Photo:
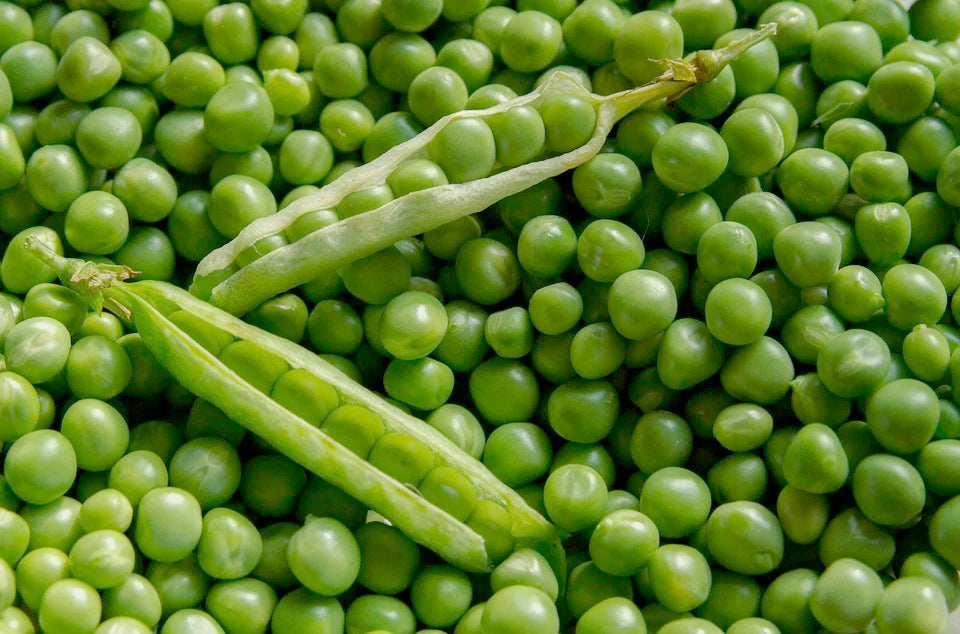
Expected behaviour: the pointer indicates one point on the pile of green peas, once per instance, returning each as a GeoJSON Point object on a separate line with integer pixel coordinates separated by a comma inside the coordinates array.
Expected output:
{"type": "Point", "coordinates": [721, 356]}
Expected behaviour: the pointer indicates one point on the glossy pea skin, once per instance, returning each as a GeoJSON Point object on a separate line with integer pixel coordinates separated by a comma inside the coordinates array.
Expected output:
{"type": "Point", "coordinates": [888, 489]}
{"type": "Point", "coordinates": [853, 363]}
{"type": "Point", "coordinates": [813, 180]}
{"type": "Point", "coordinates": [688, 354]}
{"type": "Point", "coordinates": [802, 515]}
{"type": "Point", "coordinates": [519, 606]}
{"type": "Point", "coordinates": [926, 352]}
{"type": "Point", "coordinates": [168, 524]}
{"type": "Point", "coordinates": [808, 253]}
{"type": "Point", "coordinates": [759, 372]}
{"type": "Point", "coordinates": [644, 36]}
{"type": "Point", "coordinates": [641, 304]}
{"type": "Point", "coordinates": [658, 501]}
{"type": "Point", "coordinates": [806, 332]}
{"type": "Point", "coordinates": [914, 601]}
{"type": "Point", "coordinates": [689, 156]}
{"type": "Point", "coordinates": [754, 140]}
{"type": "Point", "coordinates": [680, 577]}
{"type": "Point", "coordinates": [815, 461]}
{"type": "Point", "coordinates": [575, 497]}
{"type": "Point", "coordinates": [903, 415]}
{"type": "Point", "coordinates": [623, 541]}
{"type": "Point", "coordinates": [846, 50]}
{"type": "Point", "coordinates": [925, 303]}
{"type": "Point", "coordinates": [608, 248]}
{"type": "Point", "coordinates": [846, 595]}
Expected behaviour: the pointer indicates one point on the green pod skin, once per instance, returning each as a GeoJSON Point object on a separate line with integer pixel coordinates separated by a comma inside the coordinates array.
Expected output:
{"type": "Point", "coordinates": [147, 304]}
{"type": "Point", "coordinates": [236, 289]}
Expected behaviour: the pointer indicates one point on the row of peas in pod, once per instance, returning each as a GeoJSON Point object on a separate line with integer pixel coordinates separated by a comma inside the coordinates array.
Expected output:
{"type": "Point", "coordinates": [717, 356]}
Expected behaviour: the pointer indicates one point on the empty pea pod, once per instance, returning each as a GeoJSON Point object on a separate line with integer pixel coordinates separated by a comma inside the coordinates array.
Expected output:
{"type": "Point", "coordinates": [396, 464]}
{"type": "Point", "coordinates": [263, 261]}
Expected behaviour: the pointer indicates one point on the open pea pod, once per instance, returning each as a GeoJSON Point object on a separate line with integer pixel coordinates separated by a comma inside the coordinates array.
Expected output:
{"type": "Point", "coordinates": [274, 254]}
{"type": "Point", "coordinates": [314, 414]}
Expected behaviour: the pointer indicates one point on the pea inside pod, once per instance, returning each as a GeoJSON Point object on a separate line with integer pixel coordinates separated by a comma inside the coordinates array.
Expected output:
{"type": "Point", "coordinates": [396, 464]}
{"type": "Point", "coordinates": [576, 124]}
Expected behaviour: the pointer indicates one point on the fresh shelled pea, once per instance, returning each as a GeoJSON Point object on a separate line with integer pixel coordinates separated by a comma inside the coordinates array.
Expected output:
{"type": "Point", "coordinates": [719, 320]}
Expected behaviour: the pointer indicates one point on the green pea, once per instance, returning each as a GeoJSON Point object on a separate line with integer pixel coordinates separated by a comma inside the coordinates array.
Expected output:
{"type": "Point", "coordinates": [759, 372]}
{"type": "Point", "coordinates": [815, 461]}
{"type": "Point", "coordinates": [900, 91]}
{"type": "Point", "coordinates": [180, 139]}
{"type": "Point", "coordinates": [935, 568]}
{"type": "Point", "coordinates": [914, 601]}
{"type": "Point", "coordinates": [234, 108]}
{"type": "Point", "coordinates": [168, 524]}
{"type": "Point", "coordinates": [925, 303]}
{"type": "Point", "coordinates": [680, 577]}
{"type": "Point", "coordinates": [785, 602]}
{"type": "Point", "coordinates": [832, 606]}
{"type": "Point", "coordinates": [812, 402]}
{"type": "Point", "coordinates": [739, 477]}
{"type": "Point", "coordinates": [802, 515]}
{"type": "Point", "coordinates": [813, 180]}
{"type": "Point", "coordinates": [853, 363]}
{"type": "Point", "coordinates": [569, 121]}
{"type": "Point", "coordinates": [688, 354]}
{"type": "Point", "coordinates": [334, 327]}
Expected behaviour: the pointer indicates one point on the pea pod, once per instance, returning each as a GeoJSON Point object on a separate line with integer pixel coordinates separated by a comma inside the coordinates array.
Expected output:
{"type": "Point", "coordinates": [271, 386]}
{"type": "Point", "coordinates": [269, 256]}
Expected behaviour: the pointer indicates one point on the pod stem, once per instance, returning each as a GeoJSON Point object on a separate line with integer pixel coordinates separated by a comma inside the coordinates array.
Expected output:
{"type": "Point", "coordinates": [88, 279]}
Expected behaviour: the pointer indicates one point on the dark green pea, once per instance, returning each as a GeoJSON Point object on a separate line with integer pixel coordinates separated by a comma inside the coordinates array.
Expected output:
{"type": "Point", "coordinates": [587, 586]}
{"type": "Point", "coordinates": [853, 363]}
{"type": "Point", "coordinates": [785, 602]}
{"type": "Point", "coordinates": [850, 137]}
{"type": "Point", "coordinates": [687, 219]}
{"type": "Point", "coordinates": [926, 302]}
{"type": "Point", "coordinates": [806, 332]}
{"type": "Point", "coordinates": [302, 608]}
{"type": "Point", "coordinates": [569, 121]}
{"type": "Point", "coordinates": [903, 415]}
{"type": "Point", "coordinates": [855, 293]}
{"type": "Point", "coordinates": [759, 372]}
{"type": "Point", "coordinates": [808, 253]}
{"type": "Point", "coordinates": [925, 144]}
{"type": "Point", "coordinates": [487, 271]}
{"type": "Point", "coordinates": [930, 221]}
{"type": "Point", "coordinates": [813, 180]}
{"type": "Point", "coordinates": [643, 37]}
{"type": "Point", "coordinates": [812, 402]}
{"type": "Point", "coordinates": [926, 352]}
{"type": "Point", "coordinates": [181, 141]}
{"type": "Point", "coordinates": [463, 346]}
{"type": "Point", "coordinates": [639, 132]}
{"type": "Point", "coordinates": [738, 477]}
{"type": "Point", "coordinates": [550, 357]}
{"type": "Point", "coordinates": [726, 250]}
{"type": "Point", "coordinates": [851, 535]}
{"type": "Point", "coordinates": [504, 390]}
{"type": "Point", "coordinates": [888, 490]}
{"type": "Point", "coordinates": [900, 91]}
{"type": "Point", "coordinates": [688, 354]}
{"type": "Point", "coordinates": [802, 515]}
{"type": "Point", "coordinates": [815, 461]}
{"type": "Point", "coordinates": [659, 440]}
{"type": "Point", "coordinates": [472, 60]}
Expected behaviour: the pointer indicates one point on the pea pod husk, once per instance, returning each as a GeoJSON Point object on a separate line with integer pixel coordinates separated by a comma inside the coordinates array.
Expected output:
{"type": "Point", "coordinates": [147, 303]}
{"type": "Point", "coordinates": [335, 246]}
